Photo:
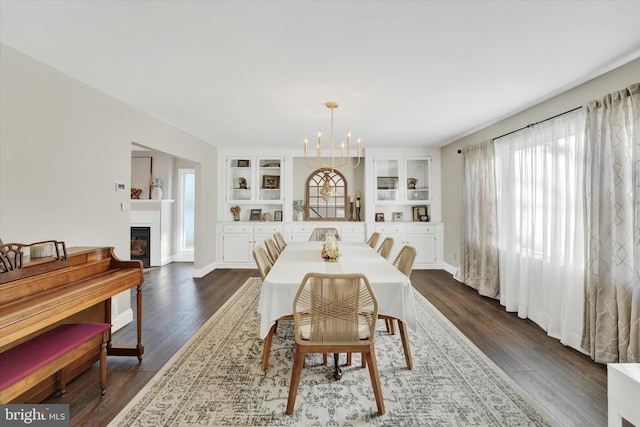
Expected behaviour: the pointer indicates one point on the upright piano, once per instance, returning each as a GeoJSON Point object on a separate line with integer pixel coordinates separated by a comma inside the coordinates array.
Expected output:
{"type": "Point", "coordinates": [62, 285]}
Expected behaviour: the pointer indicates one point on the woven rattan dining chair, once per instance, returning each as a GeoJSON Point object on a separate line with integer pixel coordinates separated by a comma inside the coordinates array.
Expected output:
{"type": "Point", "coordinates": [272, 249]}
{"type": "Point", "coordinates": [335, 313]}
{"type": "Point", "coordinates": [279, 241]}
{"type": "Point", "coordinates": [264, 266]}
{"type": "Point", "coordinates": [404, 262]}
{"type": "Point", "coordinates": [385, 247]}
{"type": "Point", "coordinates": [320, 233]}
{"type": "Point", "coordinates": [404, 259]}
{"type": "Point", "coordinates": [373, 240]}
{"type": "Point", "coordinates": [262, 261]}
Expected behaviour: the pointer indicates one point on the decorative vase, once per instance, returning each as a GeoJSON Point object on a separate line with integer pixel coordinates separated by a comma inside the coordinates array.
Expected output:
{"type": "Point", "coordinates": [299, 216]}
{"type": "Point", "coordinates": [156, 189]}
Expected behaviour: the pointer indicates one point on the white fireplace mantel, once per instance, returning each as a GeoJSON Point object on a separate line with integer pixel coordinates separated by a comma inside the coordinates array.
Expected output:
{"type": "Point", "coordinates": [155, 214]}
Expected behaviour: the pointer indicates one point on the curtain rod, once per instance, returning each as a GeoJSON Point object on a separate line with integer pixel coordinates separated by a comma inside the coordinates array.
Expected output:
{"type": "Point", "coordinates": [533, 124]}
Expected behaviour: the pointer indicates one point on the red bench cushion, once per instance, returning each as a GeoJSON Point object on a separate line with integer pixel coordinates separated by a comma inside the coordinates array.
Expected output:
{"type": "Point", "coordinates": [23, 360]}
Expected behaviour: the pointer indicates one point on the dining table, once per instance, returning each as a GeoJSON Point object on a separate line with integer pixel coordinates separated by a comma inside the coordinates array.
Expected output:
{"type": "Point", "coordinates": [392, 288]}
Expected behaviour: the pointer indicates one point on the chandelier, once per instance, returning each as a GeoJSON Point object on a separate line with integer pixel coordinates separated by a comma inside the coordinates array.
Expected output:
{"type": "Point", "coordinates": [343, 161]}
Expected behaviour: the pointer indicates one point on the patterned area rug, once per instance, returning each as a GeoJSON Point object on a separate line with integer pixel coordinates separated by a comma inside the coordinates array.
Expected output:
{"type": "Point", "coordinates": [215, 380]}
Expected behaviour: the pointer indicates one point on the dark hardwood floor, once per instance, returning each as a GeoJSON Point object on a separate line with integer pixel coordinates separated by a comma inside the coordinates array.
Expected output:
{"type": "Point", "coordinates": [567, 383]}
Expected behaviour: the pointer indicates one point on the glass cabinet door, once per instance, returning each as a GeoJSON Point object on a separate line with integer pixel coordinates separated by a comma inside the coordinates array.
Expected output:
{"type": "Point", "coordinates": [417, 176]}
{"type": "Point", "coordinates": [240, 181]}
{"type": "Point", "coordinates": [387, 176]}
{"type": "Point", "coordinates": [269, 174]}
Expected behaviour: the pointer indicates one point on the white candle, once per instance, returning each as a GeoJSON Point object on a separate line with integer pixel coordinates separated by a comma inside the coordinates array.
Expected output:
{"type": "Point", "coordinates": [331, 245]}
{"type": "Point", "coordinates": [357, 203]}
{"type": "Point", "coordinates": [358, 195]}
{"type": "Point", "coordinates": [351, 199]}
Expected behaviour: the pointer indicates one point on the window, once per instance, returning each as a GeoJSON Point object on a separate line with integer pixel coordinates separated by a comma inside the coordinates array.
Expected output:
{"type": "Point", "coordinates": [186, 209]}
{"type": "Point", "coordinates": [540, 199]}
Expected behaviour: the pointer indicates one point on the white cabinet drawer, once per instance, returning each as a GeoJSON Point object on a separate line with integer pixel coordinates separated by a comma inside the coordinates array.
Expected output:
{"type": "Point", "coordinates": [356, 227]}
{"type": "Point", "coordinates": [239, 228]}
{"type": "Point", "coordinates": [421, 229]}
{"type": "Point", "coordinates": [302, 228]}
{"type": "Point", "coordinates": [267, 228]}
{"type": "Point", "coordinates": [390, 228]}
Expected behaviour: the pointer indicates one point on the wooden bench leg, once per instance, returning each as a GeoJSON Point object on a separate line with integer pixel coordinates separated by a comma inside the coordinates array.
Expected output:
{"type": "Point", "coordinates": [103, 364]}
{"type": "Point", "coordinates": [62, 379]}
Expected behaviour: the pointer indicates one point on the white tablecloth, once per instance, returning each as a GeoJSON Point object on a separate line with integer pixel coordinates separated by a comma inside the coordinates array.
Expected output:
{"type": "Point", "coordinates": [393, 289]}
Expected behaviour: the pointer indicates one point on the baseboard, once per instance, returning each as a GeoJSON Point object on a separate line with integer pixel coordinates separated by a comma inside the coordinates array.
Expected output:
{"type": "Point", "coordinates": [454, 271]}
{"type": "Point", "coordinates": [166, 260]}
{"type": "Point", "coordinates": [182, 257]}
{"type": "Point", "coordinates": [122, 320]}
{"type": "Point", "coordinates": [201, 272]}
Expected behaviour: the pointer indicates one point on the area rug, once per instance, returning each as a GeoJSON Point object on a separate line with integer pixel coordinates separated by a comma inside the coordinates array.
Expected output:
{"type": "Point", "coordinates": [216, 380]}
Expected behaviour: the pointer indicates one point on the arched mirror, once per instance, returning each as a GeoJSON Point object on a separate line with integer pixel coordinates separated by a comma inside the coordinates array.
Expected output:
{"type": "Point", "coordinates": [326, 196]}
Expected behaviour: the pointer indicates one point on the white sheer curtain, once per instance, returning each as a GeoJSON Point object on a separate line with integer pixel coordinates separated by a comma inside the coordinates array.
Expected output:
{"type": "Point", "coordinates": [540, 221]}
{"type": "Point", "coordinates": [612, 330]}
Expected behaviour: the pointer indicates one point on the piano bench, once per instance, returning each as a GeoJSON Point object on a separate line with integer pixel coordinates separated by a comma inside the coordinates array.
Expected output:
{"type": "Point", "coordinates": [27, 364]}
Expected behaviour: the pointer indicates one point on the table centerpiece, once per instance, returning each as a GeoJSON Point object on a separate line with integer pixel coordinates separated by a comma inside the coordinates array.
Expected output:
{"type": "Point", "coordinates": [330, 250]}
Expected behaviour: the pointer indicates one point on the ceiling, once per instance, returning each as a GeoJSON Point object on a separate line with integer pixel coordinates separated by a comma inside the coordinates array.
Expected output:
{"type": "Point", "coordinates": [258, 73]}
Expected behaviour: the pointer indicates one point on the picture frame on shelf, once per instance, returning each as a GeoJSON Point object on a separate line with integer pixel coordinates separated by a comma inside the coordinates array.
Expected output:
{"type": "Point", "coordinates": [379, 217]}
{"type": "Point", "coordinates": [271, 181]}
{"type": "Point", "coordinates": [243, 163]}
{"type": "Point", "coordinates": [397, 216]}
{"type": "Point", "coordinates": [420, 213]}
{"type": "Point", "coordinates": [387, 183]}
{"type": "Point", "coordinates": [277, 216]}
{"type": "Point", "coordinates": [256, 214]}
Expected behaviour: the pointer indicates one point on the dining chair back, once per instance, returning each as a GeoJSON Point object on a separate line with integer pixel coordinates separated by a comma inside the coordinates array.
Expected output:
{"type": "Point", "coordinates": [404, 263]}
{"type": "Point", "coordinates": [262, 261]}
{"type": "Point", "coordinates": [373, 240]}
{"type": "Point", "coordinates": [385, 247]}
{"type": "Point", "coordinates": [279, 241]}
{"type": "Point", "coordinates": [320, 233]}
{"type": "Point", "coordinates": [335, 313]}
{"type": "Point", "coordinates": [272, 249]}
{"type": "Point", "coordinates": [404, 259]}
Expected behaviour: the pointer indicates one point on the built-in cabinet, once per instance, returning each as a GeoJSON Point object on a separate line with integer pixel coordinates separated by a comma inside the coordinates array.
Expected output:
{"type": "Point", "coordinates": [400, 199]}
{"type": "Point", "coordinates": [240, 239]}
{"type": "Point", "coordinates": [426, 238]}
{"type": "Point", "coordinates": [254, 180]}
{"type": "Point", "coordinates": [401, 181]}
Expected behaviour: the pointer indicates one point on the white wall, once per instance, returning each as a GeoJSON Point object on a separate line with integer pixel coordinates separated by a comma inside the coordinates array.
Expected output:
{"type": "Point", "coordinates": [612, 81]}
{"type": "Point", "coordinates": [64, 144]}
